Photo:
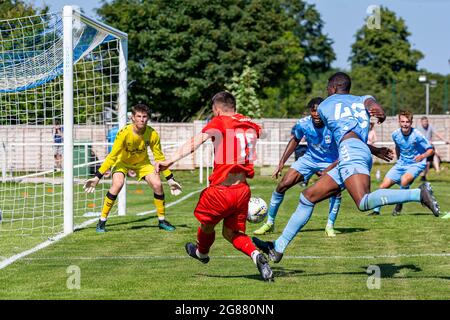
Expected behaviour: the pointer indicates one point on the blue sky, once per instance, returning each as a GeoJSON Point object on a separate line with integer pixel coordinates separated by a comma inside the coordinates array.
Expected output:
{"type": "Point", "coordinates": [427, 21]}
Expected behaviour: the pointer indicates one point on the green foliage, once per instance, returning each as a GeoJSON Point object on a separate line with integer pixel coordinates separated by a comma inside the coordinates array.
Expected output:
{"type": "Point", "coordinates": [181, 52]}
{"type": "Point", "coordinates": [385, 65]}
{"type": "Point", "coordinates": [308, 53]}
{"type": "Point", "coordinates": [386, 51]}
{"type": "Point", "coordinates": [307, 27]}
{"type": "Point", "coordinates": [287, 97]}
{"type": "Point", "coordinates": [10, 9]}
{"type": "Point", "coordinates": [244, 88]}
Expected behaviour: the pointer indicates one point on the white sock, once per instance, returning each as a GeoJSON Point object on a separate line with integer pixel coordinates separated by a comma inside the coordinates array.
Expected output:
{"type": "Point", "coordinates": [201, 255]}
{"type": "Point", "coordinates": [255, 255]}
{"type": "Point", "coordinates": [162, 218]}
{"type": "Point", "coordinates": [102, 219]}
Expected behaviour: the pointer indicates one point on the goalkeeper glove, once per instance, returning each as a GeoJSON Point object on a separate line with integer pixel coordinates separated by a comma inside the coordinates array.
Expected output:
{"type": "Point", "coordinates": [89, 185]}
{"type": "Point", "coordinates": [175, 187]}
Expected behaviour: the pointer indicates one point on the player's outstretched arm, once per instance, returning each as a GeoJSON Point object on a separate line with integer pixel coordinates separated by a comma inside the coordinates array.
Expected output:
{"type": "Point", "coordinates": [290, 148]}
{"type": "Point", "coordinates": [383, 153]}
{"type": "Point", "coordinates": [186, 149]}
{"type": "Point", "coordinates": [424, 155]}
{"type": "Point", "coordinates": [375, 110]}
{"type": "Point", "coordinates": [441, 137]}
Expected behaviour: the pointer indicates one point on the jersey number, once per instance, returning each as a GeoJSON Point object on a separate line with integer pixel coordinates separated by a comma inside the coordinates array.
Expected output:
{"type": "Point", "coordinates": [357, 110]}
{"type": "Point", "coordinates": [246, 142]}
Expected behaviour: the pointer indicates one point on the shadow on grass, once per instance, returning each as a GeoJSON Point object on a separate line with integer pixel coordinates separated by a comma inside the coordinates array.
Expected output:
{"type": "Point", "coordinates": [339, 230]}
{"type": "Point", "coordinates": [151, 224]}
{"type": "Point", "coordinates": [277, 272]}
{"type": "Point", "coordinates": [419, 214]}
{"type": "Point", "coordinates": [388, 271]}
{"type": "Point", "coordinates": [156, 226]}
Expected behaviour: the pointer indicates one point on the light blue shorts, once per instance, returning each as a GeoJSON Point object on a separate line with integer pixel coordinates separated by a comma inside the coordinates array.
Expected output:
{"type": "Point", "coordinates": [397, 171]}
{"type": "Point", "coordinates": [354, 158]}
{"type": "Point", "coordinates": [307, 167]}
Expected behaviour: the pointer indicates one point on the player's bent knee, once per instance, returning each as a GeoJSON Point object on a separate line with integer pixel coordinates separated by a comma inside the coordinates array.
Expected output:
{"type": "Point", "coordinates": [363, 204]}
{"type": "Point", "coordinates": [207, 228]}
{"type": "Point", "coordinates": [116, 187]}
{"type": "Point", "coordinates": [310, 195]}
{"type": "Point", "coordinates": [228, 234]}
{"type": "Point", "coordinates": [157, 187]}
{"type": "Point", "coordinates": [282, 188]}
{"type": "Point", "coordinates": [405, 184]}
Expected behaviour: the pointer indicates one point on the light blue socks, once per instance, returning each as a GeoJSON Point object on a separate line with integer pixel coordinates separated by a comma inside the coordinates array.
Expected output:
{"type": "Point", "coordinates": [298, 219]}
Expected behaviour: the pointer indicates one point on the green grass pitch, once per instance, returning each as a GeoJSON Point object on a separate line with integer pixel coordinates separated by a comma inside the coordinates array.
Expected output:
{"type": "Point", "coordinates": [136, 260]}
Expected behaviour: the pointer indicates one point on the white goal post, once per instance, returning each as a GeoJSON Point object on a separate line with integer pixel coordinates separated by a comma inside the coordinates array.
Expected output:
{"type": "Point", "coordinates": [60, 70]}
{"type": "Point", "coordinates": [69, 15]}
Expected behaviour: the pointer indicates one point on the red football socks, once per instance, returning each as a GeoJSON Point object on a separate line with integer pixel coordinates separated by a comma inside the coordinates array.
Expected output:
{"type": "Point", "coordinates": [204, 241]}
{"type": "Point", "coordinates": [243, 243]}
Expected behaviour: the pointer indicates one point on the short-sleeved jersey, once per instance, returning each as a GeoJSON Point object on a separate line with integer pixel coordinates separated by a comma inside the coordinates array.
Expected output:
{"type": "Point", "coordinates": [321, 146]}
{"type": "Point", "coordinates": [410, 146]}
{"type": "Point", "coordinates": [234, 138]}
{"type": "Point", "coordinates": [131, 149]}
{"type": "Point", "coordinates": [343, 113]}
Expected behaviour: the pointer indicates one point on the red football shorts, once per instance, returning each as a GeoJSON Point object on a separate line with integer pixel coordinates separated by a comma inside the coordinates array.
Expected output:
{"type": "Point", "coordinates": [229, 203]}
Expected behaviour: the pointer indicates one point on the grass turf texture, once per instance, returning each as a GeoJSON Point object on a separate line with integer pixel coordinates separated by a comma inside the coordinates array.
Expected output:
{"type": "Point", "coordinates": [136, 260]}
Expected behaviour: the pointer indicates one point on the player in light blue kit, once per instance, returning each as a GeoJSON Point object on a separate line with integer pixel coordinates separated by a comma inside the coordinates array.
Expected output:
{"type": "Point", "coordinates": [347, 116]}
{"type": "Point", "coordinates": [412, 150]}
{"type": "Point", "coordinates": [321, 153]}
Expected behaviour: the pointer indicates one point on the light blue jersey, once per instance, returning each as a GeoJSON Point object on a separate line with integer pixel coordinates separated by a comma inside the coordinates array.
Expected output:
{"type": "Point", "coordinates": [410, 146]}
{"type": "Point", "coordinates": [343, 113]}
{"type": "Point", "coordinates": [321, 153]}
{"type": "Point", "coordinates": [321, 147]}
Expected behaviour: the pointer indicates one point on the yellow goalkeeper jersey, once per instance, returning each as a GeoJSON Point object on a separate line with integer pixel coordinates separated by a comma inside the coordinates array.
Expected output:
{"type": "Point", "coordinates": [131, 149]}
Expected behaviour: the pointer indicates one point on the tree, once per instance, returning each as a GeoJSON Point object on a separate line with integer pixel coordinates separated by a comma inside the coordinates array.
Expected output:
{"type": "Point", "coordinates": [181, 52]}
{"type": "Point", "coordinates": [286, 98]}
{"type": "Point", "coordinates": [244, 88]}
{"type": "Point", "coordinates": [10, 9]}
{"type": "Point", "coordinates": [386, 52]}
{"type": "Point", "coordinates": [308, 28]}
{"type": "Point", "coordinates": [308, 53]}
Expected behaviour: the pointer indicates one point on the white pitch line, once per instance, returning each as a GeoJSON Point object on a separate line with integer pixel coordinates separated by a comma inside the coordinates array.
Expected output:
{"type": "Point", "coordinates": [14, 258]}
{"type": "Point", "coordinates": [243, 257]}
{"type": "Point", "coordinates": [7, 261]}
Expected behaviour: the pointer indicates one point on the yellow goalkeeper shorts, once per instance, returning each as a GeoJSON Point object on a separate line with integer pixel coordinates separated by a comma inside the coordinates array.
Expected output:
{"type": "Point", "coordinates": [141, 169]}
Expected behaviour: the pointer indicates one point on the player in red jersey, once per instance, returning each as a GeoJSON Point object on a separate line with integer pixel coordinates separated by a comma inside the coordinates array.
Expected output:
{"type": "Point", "coordinates": [234, 137]}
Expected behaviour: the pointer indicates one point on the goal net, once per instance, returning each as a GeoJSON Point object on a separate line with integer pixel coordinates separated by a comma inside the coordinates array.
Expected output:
{"type": "Point", "coordinates": [62, 90]}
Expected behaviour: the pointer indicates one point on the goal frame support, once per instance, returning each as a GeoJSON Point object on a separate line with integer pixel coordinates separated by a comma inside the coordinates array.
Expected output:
{"type": "Point", "coordinates": [69, 12]}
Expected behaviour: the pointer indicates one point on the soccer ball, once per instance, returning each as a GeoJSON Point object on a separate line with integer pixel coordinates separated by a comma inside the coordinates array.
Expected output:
{"type": "Point", "coordinates": [257, 210]}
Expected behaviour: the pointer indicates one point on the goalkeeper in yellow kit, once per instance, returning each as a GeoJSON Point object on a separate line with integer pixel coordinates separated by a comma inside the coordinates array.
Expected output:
{"type": "Point", "coordinates": [129, 152]}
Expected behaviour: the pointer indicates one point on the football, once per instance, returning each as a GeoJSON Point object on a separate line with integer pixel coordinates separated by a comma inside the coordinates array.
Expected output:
{"type": "Point", "coordinates": [257, 210]}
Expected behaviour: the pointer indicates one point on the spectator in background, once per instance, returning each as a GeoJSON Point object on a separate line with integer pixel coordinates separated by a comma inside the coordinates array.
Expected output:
{"type": "Point", "coordinates": [58, 139]}
{"type": "Point", "coordinates": [111, 136]}
{"type": "Point", "coordinates": [371, 139]}
{"type": "Point", "coordinates": [428, 130]}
